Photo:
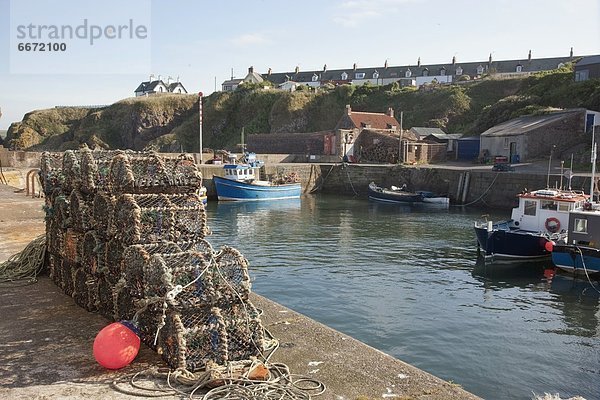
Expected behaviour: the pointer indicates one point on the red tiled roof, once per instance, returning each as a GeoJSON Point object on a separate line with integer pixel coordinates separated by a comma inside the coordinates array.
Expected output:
{"type": "Point", "coordinates": [375, 120]}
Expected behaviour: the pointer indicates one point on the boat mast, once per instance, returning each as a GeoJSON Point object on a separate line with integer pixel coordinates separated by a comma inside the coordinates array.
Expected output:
{"type": "Point", "coordinates": [593, 163]}
{"type": "Point", "coordinates": [571, 172]}
{"type": "Point", "coordinates": [243, 147]}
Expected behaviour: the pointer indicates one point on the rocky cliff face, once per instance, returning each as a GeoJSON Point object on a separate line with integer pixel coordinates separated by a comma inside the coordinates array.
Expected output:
{"type": "Point", "coordinates": [131, 123]}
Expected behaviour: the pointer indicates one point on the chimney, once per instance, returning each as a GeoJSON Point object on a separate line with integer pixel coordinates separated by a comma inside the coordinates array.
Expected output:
{"type": "Point", "coordinates": [159, 77]}
{"type": "Point", "coordinates": [297, 69]}
{"type": "Point", "coordinates": [177, 78]}
{"type": "Point", "coordinates": [390, 112]}
{"type": "Point", "coordinates": [354, 67]}
{"type": "Point", "coordinates": [419, 62]}
{"type": "Point", "coordinates": [571, 53]}
{"type": "Point", "coordinates": [231, 73]}
{"type": "Point", "coordinates": [529, 56]}
{"type": "Point", "coordinates": [270, 71]}
{"type": "Point", "coordinates": [490, 59]}
{"type": "Point", "coordinates": [348, 109]}
{"type": "Point", "coordinates": [453, 60]}
{"type": "Point", "coordinates": [250, 69]}
{"type": "Point", "coordinates": [151, 77]}
{"type": "Point", "coordinates": [385, 65]}
{"type": "Point", "coordinates": [325, 68]}
{"type": "Point", "coordinates": [169, 79]}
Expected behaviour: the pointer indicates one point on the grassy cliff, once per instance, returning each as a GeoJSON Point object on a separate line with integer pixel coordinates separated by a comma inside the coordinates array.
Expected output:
{"type": "Point", "coordinates": [170, 122]}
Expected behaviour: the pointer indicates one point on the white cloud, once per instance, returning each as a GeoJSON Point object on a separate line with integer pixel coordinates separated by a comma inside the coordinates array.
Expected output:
{"type": "Point", "coordinates": [249, 39]}
{"type": "Point", "coordinates": [354, 12]}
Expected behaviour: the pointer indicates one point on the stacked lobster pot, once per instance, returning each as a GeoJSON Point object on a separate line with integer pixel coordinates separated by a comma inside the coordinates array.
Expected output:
{"type": "Point", "coordinates": [126, 236]}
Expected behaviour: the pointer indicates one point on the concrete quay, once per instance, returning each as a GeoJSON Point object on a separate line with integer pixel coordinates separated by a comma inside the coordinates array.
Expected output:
{"type": "Point", "coordinates": [46, 340]}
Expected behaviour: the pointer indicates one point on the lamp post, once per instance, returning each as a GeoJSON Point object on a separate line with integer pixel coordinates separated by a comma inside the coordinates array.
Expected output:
{"type": "Point", "coordinates": [200, 123]}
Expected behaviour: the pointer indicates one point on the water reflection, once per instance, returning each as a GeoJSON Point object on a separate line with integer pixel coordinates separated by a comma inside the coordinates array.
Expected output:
{"type": "Point", "coordinates": [408, 282]}
{"type": "Point", "coordinates": [578, 300]}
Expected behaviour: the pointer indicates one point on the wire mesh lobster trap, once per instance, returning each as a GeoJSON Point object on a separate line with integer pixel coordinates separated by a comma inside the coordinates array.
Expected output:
{"type": "Point", "coordinates": [126, 236]}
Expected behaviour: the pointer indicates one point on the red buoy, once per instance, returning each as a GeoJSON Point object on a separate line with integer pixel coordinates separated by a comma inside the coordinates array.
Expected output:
{"type": "Point", "coordinates": [549, 246]}
{"type": "Point", "coordinates": [117, 345]}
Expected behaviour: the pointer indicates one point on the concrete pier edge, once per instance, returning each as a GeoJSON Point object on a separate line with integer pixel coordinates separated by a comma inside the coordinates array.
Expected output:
{"type": "Point", "coordinates": [46, 340]}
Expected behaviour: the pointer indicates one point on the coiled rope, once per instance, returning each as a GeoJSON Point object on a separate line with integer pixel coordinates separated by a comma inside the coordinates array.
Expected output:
{"type": "Point", "coordinates": [24, 267]}
{"type": "Point", "coordinates": [280, 383]}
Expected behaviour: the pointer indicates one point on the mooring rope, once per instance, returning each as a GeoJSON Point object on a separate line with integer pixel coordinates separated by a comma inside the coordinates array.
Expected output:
{"type": "Point", "coordinates": [584, 269]}
{"type": "Point", "coordinates": [24, 267]}
{"type": "Point", "coordinates": [480, 197]}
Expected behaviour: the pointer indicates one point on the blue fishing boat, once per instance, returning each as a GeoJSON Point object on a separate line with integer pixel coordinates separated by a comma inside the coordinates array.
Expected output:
{"type": "Point", "coordinates": [581, 253]}
{"type": "Point", "coordinates": [241, 183]}
{"type": "Point", "coordinates": [536, 226]}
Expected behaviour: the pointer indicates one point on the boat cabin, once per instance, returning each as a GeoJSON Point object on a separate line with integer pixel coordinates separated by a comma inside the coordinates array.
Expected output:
{"type": "Point", "coordinates": [584, 228]}
{"type": "Point", "coordinates": [241, 172]}
{"type": "Point", "coordinates": [546, 210]}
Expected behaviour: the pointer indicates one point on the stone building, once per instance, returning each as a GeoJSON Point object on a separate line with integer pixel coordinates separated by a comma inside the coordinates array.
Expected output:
{"type": "Point", "coordinates": [535, 136]}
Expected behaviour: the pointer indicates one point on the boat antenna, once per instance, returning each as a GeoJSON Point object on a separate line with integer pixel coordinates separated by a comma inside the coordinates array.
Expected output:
{"type": "Point", "coordinates": [562, 170]}
{"type": "Point", "coordinates": [549, 163]}
{"type": "Point", "coordinates": [593, 163]}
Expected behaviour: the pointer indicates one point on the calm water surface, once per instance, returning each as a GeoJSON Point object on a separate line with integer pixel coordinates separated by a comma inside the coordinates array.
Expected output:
{"type": "Point", "coordinates": [405, 281]}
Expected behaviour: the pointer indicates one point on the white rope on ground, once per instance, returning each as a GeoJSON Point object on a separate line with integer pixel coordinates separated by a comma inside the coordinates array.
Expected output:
{"type": "Point", "coordinates": [24, 267]}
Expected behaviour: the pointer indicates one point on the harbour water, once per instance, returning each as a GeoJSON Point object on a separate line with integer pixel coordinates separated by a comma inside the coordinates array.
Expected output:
{"type": "Point", "coordinates": [407, 282]}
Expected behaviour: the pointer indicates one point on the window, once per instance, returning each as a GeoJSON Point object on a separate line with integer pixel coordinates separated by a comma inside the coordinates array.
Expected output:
{"type": "Point", "coordinates": [563, 207]}
{"type": "Point", "coordinates": [582, 75]}
{"type": "Point", "coordinates": [425, 72]}
{"type": "Point", "coordinates": [459, 71]}
{"type": "Point", "coordinates": [506, 143]}
{"type": "Point", "coordinates": [375, 75]}
{"type": "Point", "coordinates": [160, 88]}
{"type": "Point", "coordinates": [344, 76]}
{"type": "Point", "coordinates": [519, 68]}
{"type": "Point", "coordinates": [530, 207]}
{"type": "Point", "coordinates": [443, 71]}
{"type": "Point", "coordinates": [408, 73]}
{"type": "Point", "coordinates": [549, 205]}
{"type": "Point", "coordinates": [315, 77]}
{"type": "Point", "coordinates": [480, 70]}
{"type": "Point", "coordinates": [359, 75]}
{"type": "Point", "coordinates": [580, 225]}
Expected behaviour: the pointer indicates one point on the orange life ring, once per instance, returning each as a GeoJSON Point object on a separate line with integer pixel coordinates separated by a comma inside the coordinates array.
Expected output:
{"type": "Point", "coordinates": [552, 225]}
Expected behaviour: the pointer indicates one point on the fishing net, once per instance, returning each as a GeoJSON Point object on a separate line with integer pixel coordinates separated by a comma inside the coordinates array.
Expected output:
{"type": "Point", "coordinates": [126, 236]}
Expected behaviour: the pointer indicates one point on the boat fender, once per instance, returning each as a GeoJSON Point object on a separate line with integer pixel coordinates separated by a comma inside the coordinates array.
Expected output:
{"type": "Point", "coordinates": [552, 225]}
{"type": "Point", "coordinates": [549, 246]}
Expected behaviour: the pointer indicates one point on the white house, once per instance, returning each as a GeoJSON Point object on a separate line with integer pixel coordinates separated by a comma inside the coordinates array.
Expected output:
{"type": "Point", "coordinates": [153, 86]}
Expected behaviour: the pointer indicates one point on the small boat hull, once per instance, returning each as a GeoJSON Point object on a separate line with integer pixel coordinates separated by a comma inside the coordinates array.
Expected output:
{"type": "Point", "coordinates": [393, 196]}
{"type": "Point", "coordinates": [230, 190]}
{"type": "Point", "coordinates": [577, 259]}
{"type": "Point", "coordinates": [507, 244]}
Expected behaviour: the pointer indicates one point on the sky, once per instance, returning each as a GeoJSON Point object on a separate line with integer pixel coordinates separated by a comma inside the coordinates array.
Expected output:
{"type": "Point", "coordinates": [202, 41]}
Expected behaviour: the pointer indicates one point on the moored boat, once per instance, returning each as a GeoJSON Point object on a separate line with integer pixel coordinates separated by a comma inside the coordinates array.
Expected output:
{"type": "Point", "coordinates": [581, 254]}
{"type": "Point", "coordinates": [536, 225]}
{"type": "Point", "coordinates": [393, 194]}
{"type": "Point", "coordinates": [241, 182]}
{"type": "Point", "coordinates": [433, 198]}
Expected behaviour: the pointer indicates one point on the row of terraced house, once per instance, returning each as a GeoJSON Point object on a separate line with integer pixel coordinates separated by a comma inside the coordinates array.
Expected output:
{"type": "Point", "coordinates": [586, 67]}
